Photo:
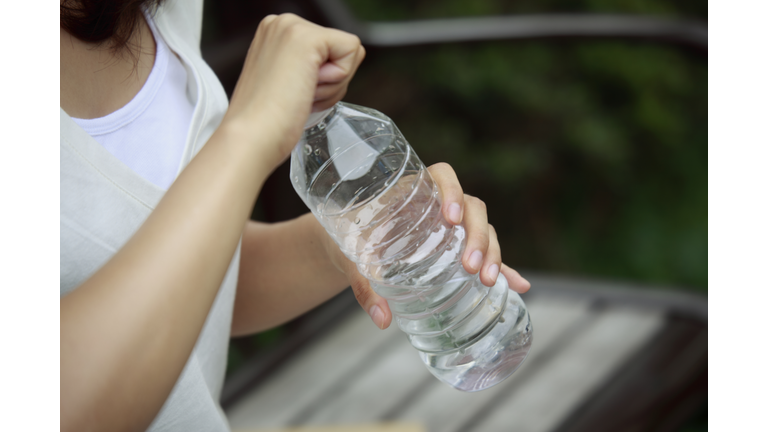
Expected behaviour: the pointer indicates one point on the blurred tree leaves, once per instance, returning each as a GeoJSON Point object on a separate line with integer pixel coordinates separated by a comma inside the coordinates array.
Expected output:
{"type": "Point", "coordinates": [378, 10]}
{"type": "Point", "coordinates": [591, 155]}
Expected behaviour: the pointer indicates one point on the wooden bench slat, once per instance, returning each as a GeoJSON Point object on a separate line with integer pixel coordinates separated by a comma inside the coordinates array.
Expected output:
{"type": "Point", "coordinates": [372, 394]}
{"type": "Point", "coordinates": [309, 376]}
{"type": "Point", "coordinates": [359, 374]}
{"type": "Point", "coordinates": [590, 358]}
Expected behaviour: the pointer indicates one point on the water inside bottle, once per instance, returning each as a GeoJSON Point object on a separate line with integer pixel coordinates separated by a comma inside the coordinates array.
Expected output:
{"type": "Point", "coordinates": [470, 336]}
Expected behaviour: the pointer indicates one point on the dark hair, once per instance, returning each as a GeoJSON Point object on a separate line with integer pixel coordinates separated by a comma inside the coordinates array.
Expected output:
{"type": "Point", "coordinates": [104, 21]}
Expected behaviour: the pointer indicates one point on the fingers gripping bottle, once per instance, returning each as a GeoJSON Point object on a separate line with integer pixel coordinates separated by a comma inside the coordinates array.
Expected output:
{"type": "Point", "coordinates": [361, 179]}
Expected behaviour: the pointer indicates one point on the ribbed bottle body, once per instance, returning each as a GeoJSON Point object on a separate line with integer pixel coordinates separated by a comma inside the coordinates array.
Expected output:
{"type": "Point", "coordinates": [381, 206]}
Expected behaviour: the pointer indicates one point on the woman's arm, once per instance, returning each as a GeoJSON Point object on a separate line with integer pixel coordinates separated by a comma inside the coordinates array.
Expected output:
{"type": "Point", "coordinates": [285, 270]}
{"type": "Point", "coordinates": [128, 330]}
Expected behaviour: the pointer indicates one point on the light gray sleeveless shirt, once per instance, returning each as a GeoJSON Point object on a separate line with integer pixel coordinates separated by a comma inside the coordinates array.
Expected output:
{"type": "Point", "coordinates": [103, 202]}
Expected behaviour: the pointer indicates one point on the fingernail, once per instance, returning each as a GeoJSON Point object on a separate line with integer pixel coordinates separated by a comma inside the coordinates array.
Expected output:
{"type": "Point", "coordinates": [454, 212]}
{"type": "Point", "coordinates": [377, 316]}
{"type": "Point", "coordinates": [493, 272]}
{"type": "Point", "coordinates": [475, 260]}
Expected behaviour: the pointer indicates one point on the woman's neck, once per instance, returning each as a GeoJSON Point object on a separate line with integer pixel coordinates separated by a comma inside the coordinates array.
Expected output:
{"type": "Point", "coordinates": [94, 81]}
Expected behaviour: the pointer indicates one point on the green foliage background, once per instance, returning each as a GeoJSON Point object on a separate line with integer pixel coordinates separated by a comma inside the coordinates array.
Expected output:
{"type": "Point", "coordinates": [591, 155]}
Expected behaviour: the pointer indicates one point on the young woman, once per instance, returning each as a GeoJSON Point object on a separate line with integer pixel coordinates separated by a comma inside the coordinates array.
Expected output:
{"type": "Point", "coordinates": [159, 262]}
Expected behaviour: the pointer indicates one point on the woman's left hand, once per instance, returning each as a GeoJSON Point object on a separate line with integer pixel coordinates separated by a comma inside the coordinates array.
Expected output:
{"type": "Point", "coordinates": [482, 253]}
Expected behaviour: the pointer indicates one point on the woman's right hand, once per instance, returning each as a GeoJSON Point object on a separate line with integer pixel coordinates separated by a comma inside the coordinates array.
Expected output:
{"type": "Point", "coordinates": [293, 67]}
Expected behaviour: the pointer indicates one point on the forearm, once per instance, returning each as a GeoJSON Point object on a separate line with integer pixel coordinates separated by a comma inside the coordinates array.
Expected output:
{"type": "Point", "coordinates": [285, 270]}
{"type": "Point", "coordinates": [127, 331]}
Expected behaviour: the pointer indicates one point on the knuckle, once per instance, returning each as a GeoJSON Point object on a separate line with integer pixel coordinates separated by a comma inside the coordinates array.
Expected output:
{"type": "Point", "coordinates": [481, 204]}
{"type": "Point", "coordinates": [452, 185]}
{"type": "Point", "coordinates": [266, 23]}
{"type": "Point", "coordinates": [475, 202]}
{"type": "Point", "coordinates": [290, 24]}
{"type": "Point", "coordinates": [483, 238]}
{"type": "Point", "coordinates": [361, 291]}
{"type": "Point", "coordinates": [292, 29]}
{"type": "Point", "coordinates": [441, 166]}
{"type": "Point", "coordinates": [451, 191]}
{"type": "Point", "coordinates": [269, 19]}
{"type": "Point", "coordinates": [288, 17]}
{"type": "Point", "coordinates": [355, 39]}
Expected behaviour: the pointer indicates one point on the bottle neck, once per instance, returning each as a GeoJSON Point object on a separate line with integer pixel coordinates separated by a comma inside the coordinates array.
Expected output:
{"type": "Point", "coordinates": [317, 117]}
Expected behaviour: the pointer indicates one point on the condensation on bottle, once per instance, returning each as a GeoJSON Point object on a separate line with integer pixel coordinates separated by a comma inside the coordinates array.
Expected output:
{"type": "Point", "coordinates": [375, 198]}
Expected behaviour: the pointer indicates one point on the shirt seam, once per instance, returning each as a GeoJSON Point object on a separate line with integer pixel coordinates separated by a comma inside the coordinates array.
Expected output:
{"type": "Point", "coordinates": [102, 174]}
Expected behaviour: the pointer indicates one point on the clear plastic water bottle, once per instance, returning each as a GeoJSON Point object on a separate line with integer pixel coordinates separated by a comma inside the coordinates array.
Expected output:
{"type": "Point", "coordinates": [360, 178]}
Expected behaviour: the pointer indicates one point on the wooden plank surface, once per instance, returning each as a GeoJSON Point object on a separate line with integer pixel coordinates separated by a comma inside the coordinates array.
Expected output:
{"type": "Point", "coordinates": [540, 404]}
{"type": "Point", "coordinates": [358, 374]}
{"type": "Point", "coordinates": [311, 375]}
{"type": "Point", "coordinates": [385, 427]}
{"type": "Point", "coordinates": [660, 388]}
{"type": "Point", "coordinates": [372, 394]}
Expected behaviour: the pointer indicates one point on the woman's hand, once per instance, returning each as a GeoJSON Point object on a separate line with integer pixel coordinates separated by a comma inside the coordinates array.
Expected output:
{"type": "Point", "coordinates": [482, 253]}
{"type": "Point", "coordinates": [293, 67]}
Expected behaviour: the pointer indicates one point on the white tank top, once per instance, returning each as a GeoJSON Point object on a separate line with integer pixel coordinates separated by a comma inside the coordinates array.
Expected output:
{"type": "Point", "coordinates": [149, 133]}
